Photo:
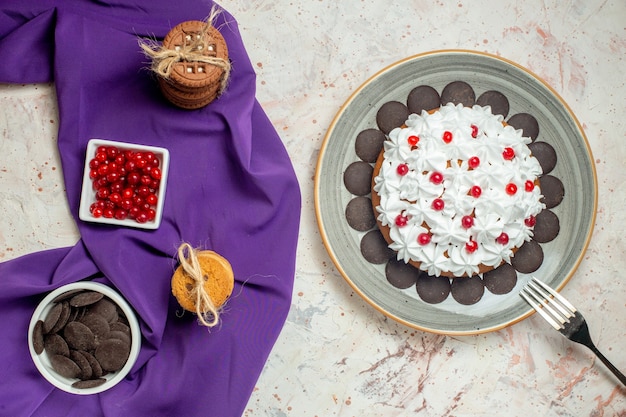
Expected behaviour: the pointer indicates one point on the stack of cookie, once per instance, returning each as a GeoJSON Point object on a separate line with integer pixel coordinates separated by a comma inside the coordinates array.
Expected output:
{"type": "Point", "coordinates": [199, 74]}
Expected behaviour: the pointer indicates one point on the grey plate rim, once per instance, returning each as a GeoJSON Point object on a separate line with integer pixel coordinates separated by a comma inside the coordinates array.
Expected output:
{"type": "Point", "coordinates": [320, 216]}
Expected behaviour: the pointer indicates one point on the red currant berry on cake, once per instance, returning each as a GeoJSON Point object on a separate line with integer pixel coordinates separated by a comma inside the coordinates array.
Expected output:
{"type": "Point", "coordinates": [508, 153]}
{"type": "Point", "coordinates": [474, 131]}
{"type": "Point", "coordinates": [476, 191]}
{"type": "Point", "coordinates": [413, 140]}
{"type": "Point", "coordinates": [471, 246]}
{"type": "Point", "coordinates": [503, 239]}
{"type": "Point", "coordinates": [467, 222]}
{"type": "Point", "coordinates": [423, 239]}
{"type": "Point", "coordinates": [531, 221]}
{"type": "Point", "coordinates": [401, 220]}
{"type": "Point", "coordinates": [529, 186]}
{"type": "Point", "coordinates": [402, 169]}
{"type": "Point", "coordinates": [447, 136]}
{"type": "Point", "coordinates": [511, 188]}
{"type": "Point", "coordinates": [473, 162]}
{"type": "Point", "coordinates": [438, 204]}
{"type": "Point", "coordinates": [436, 178]}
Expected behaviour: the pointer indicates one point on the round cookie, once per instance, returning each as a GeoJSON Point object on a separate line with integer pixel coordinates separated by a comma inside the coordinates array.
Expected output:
{"type": "Point", "coordinates": [496, 100]}
{"type": "Point", "coordinates": [545, 154]}
{"type": "Point", "coordinates": [391, 115]}
{"type": "Point", "coordinates": [458, 92]}
{"type": "Point", "coordinates": [194, 84]}
{"type": "Point", "coordinates": [423, 97]}
{"type": "Point", "coordinates": [218, 284]}
{"type": "Point", "coordinates": [358, 177]}
{"type": "Point", "coordinates": [547, 226]}
{"type": "Point", "coordinates": [527, 123]}
{"type": "Point", "coordinates": [368, 144]}
{"type": "Point", "coordinates": [360, 215]}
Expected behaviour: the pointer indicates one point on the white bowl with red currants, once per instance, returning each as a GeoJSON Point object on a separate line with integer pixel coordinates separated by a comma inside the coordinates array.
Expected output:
{"type": "Point", "coordinates": [124, 184]}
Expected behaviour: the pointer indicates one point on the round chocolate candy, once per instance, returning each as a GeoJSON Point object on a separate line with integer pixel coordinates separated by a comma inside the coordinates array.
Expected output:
{"type": "Point", "coordinates": [360, 214]}
{"type": "Point", "coordinates": [458, 92]}
{"type": "Point", "coordinates": [547, 226]}
{"type": "Point", "coordinates": [467, 291]}
{"type": "Point", "coordinates": [358, 178]}
{"type": "Point", "coordinates": [528, 257]}
{"type": "Point", "coordinates": [552, 190]}
{"type": "Point", "coordinates": [423, 97]}
{"type": "Point", "coordinates": [526, 122]}
{"type": "Point", "coordinates": [545, 154]}
{"type": "Point", "coordinates": [391, 115]}
{"type": "Point", "coordinates": [496, 100]}
{"type": "Point", "coordinates": [374, 248]}
{"type": "Point", "coordinates": [432, 289]}
{"type": "Point", "coordinates": [368, 144]}
{"type": "Point", "coordinates": [400, 274]}
{"type": "Point", "coordinates": [500, 280]}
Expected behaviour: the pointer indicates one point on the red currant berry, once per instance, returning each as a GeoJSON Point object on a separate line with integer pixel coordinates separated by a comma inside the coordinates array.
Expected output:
{"type": "Point", "coordinates": [133, 178]}
{"type": "Point", "coordinates": [142, 217]}
{"type": "Point", "coordinates": [133, 212]}
{"type": "Point", "coordinates": [93, 174]}
{"type": "Point", "coordinates": [113, 176]}
{"type": "Point", "coordinates": [402, 169]}
{"type": "Point", "coordinates": [467, 222]}
{"type": "Point", "coordinates": [473, 162]}
{"type": "Point", "coordinates": [130, 166]}
{"type": "Point", "coordinates": [126, 203]}
{"type": "Point", "coordinates": [152, 200]}
{"type": "Point", "coordinates": [101, 156]}
{"type": "Point", "coordinates": [112, 152]}
{"type": "Point", "coordinates": [120, 159]}
{"type": "Point", "coordinates": [108, 213]}
{"type": "Point", "coordinates": [413, 140]}
{"type": "Point", "coordinates": [156, 173]}
{"type": "Point", "coordinates": [471, 246]}
{"type": "Point", "coordinates": [137, 201]}
{"type": "Point", "coordinates": [103, 193]}
{"type": "Point", "coordinates": [474, 131]}
{"type": "Point", "coordinates": [511, 188]}
{"type": "Point", "coordinates": [143, 190]}
{"type": "Point", "coordinates": [423, 239]}
{"type": "Point", "coordinates": [121, 214]}
{"type": "Point", "coordinates": [447, 136]}
{"type": "Point", "coordinates": [145, 180]}
{"type": "Point", "coordinates": [508, 153]}
{"type": "Point", "coordinates": [103, 170]}
{"type": "Point", "coordinates": [97, 212]}
{"type": "Point", "coordinates": [94, 163]}
{"type": "Point", "coordinates": [401, 220]}
{"type": "Point", "coordinates": [529, 186]}
{"type": "Point", "coordinates": [503, 239]}
{"type": "Point", "coordinates": [436, 178]}
{"type": "Point", "coordinates": [128, 192]}
{"type": "Point", "coordinates": [115, 198]}
{"type": "Point", "coordinates": [476, 191]}
{"type": "Point", "coordinates": [438, 204]}
{"type": "Point", "coordinates": [531, 221]}
{"type": "Point", "coordinates": [151, 213]}
{"type": "Point", "coordinates": [117, 187]}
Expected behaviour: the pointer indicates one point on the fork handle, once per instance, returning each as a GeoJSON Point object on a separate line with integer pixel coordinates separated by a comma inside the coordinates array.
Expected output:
{"type": "Point", "coordinates": [608, 364]}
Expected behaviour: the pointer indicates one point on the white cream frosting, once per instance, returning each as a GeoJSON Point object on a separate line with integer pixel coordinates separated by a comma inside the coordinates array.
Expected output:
{"type": "Point", "coordinates": [411, 192]}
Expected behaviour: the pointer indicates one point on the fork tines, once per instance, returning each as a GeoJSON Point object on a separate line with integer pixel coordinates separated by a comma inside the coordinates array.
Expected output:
{"type": "Point", "coordinates": [555, 309]}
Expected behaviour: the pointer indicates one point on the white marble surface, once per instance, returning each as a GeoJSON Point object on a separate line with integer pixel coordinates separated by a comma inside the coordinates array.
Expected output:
{"type": "Point", "coordinates": [337, 356]}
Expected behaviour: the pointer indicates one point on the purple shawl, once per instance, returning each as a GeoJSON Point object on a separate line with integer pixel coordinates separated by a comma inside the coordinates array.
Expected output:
{"type": "Point", "coordinates": [231, 189]}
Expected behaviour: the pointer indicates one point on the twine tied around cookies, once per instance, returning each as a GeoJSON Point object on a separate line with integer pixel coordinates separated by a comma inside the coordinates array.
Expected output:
{"type": "Point", "coordinates": [193, 50]}
{"type": "Point", "coordinates": [208, 314]}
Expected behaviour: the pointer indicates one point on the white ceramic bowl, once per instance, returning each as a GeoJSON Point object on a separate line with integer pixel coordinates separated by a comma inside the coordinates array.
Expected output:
{"type": "Point", "coordinates": [42, 361]}
{"type": "Point", "coordinates": [88, 195]}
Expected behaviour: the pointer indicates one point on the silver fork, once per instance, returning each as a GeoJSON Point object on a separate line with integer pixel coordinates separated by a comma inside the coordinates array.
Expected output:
{"type": "Point", "coordinates": [562, 315]}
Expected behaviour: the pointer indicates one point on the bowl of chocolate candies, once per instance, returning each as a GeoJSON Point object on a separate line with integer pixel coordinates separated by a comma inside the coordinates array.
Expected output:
{"type": "Point", "coordinates": [84, 338]}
